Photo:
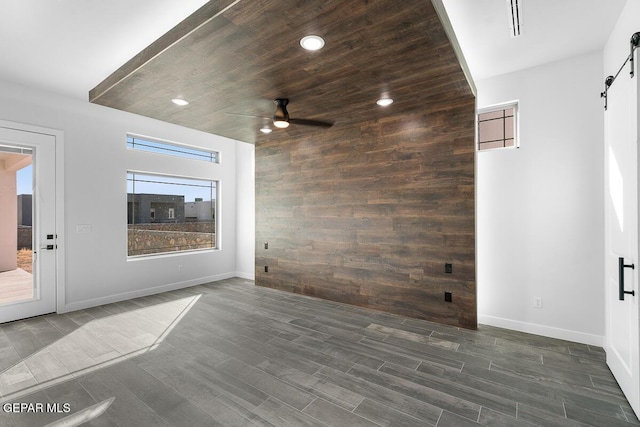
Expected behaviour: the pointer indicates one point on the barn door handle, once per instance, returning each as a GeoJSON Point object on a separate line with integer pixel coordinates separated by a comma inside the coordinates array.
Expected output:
{"type": "Point", "coordinates": [621, 267]}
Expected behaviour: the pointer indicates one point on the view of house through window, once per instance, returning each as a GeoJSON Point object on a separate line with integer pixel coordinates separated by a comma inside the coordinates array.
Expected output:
{"type": "Point", "coordinates": [169, 214]}
{"type": "Point", "coordinates": [497, 127]}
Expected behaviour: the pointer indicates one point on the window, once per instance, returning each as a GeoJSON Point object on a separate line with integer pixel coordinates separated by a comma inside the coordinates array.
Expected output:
{"type": "Point", "coordinates": [172, 149]}
{"type": "Point", "coordinates": [170, 214]}
{"type": "Point", "coordinates": [497, 127]}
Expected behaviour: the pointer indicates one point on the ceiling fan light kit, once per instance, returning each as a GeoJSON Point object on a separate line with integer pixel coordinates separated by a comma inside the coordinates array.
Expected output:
{"type": "Point", "coordinates": [281, 115]}
{"type": "Point", "coordinates": [282, 120]}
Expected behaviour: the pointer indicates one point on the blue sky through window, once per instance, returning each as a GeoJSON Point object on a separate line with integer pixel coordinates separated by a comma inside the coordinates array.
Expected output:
{"type": "Point", "coordinates": [171, 185]}
{"type": "Point", "coordinates": [24, 178]}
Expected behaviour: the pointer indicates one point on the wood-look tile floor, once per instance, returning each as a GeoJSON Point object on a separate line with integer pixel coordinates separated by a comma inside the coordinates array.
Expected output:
{"type": "Point", "coordinates": [233, 354]}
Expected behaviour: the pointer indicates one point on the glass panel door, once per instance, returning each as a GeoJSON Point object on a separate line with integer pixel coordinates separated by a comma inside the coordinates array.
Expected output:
{"type": "Point", "coordinates": [27, 224]}
{"type": "Point", "coordinates": [16, 220]}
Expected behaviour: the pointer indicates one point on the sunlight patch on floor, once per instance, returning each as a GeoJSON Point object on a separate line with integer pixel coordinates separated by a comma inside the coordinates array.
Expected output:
{"type": "Point", "coordinates": [95, 345]}
{"type": "Point", "coordinates": [83, 416]}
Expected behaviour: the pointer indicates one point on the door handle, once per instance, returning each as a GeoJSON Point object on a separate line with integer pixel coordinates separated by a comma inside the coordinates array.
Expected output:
{"type": "Point", "coordinates": [621, 267]}
{"type": "Point", "coordinates": [49, 246]}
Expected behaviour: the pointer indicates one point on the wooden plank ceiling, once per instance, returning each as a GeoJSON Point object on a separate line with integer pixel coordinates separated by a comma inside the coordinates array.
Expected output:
{"type": "Point", "coordinates": [237, 56]}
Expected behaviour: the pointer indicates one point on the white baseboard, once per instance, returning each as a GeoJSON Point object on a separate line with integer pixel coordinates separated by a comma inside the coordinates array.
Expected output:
{"type": "Point", "coordinates": [248, 276]}
{"type": "Point", "coordinates": [79, 305]}
{"type": "Point", "coordinates": [546, 331]}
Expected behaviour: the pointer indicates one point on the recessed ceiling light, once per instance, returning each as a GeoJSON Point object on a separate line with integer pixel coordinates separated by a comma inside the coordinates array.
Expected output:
{"type": "Point", "coordinates": [312, 42]}
{"type": "Point", "coordinates": [265, 129]}
{"type": "Point", "coordinates": [383, 102]}
{"type": "Point", "coordinates": [179, 101]}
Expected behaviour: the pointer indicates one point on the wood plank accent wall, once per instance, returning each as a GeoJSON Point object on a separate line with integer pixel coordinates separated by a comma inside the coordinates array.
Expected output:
{"type": "Point", "coordinates": [369, 213]}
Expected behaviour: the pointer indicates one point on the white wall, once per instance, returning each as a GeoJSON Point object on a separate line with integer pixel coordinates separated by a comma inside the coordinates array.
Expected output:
{"type": "Point", "coordinates": [246, 224]}
{"type": "Point", "coordinates": [95, 164]}
{"type": "Point", "coordinates": [540, 226]}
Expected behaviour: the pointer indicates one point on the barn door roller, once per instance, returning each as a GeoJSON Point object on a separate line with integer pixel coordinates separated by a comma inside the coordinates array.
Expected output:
{"type": "Point", "coordinates": [633, 45]}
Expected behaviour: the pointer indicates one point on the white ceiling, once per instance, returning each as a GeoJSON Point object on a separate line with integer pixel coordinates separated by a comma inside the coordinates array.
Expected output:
{"type": "Point", "coordinates": [69, 46]}
{"type": "Point", "coordinates": [551, 30]}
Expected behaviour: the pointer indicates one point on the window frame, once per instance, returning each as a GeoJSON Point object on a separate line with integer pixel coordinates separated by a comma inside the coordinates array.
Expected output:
{"type": "Point", "coordinates": [516, 125]}
{"type": "Point", "coordinates": [215, 206]}
{"type": "Point", "coordinates": [214, 154]}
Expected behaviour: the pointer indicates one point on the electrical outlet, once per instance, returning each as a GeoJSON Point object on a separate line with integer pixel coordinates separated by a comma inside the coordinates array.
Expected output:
{"type": "Point", "coordinates": [537, 302]}
{"type": "Point", "coordinates": [448, 268]}
{"type": "Point", "coordinates": [266, 245]}
{"type": "Point", "coordinates": [447, 297]}
{"type": "Point", "coordinates": [266, 268]}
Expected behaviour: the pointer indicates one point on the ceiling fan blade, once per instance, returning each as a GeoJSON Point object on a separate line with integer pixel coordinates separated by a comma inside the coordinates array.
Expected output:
{"type": "Point", "coordinates": [307, 122]}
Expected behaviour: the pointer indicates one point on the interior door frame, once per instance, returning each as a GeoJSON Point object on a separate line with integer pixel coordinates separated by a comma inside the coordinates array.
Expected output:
{"type": "Point", "coordinates": [58, 135]}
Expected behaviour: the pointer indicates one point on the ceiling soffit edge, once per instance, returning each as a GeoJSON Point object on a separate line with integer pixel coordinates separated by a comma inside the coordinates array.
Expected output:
{"type": "Point", "coordinates": [197, 19]}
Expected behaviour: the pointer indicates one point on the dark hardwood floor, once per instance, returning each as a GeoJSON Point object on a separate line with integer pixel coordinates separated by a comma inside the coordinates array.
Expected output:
{"type": "Point", "coordinates": [230, 353]}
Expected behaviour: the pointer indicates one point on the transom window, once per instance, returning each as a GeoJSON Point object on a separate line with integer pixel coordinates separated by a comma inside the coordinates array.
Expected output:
{"type": "Point", "coordinates": [497, 127]}
{"type": "Point", "coordinates": [172, 149]}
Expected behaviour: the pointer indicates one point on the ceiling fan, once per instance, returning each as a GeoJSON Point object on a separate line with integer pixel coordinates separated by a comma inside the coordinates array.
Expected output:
{"type": "Point", "coordinates": [281, 117]}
